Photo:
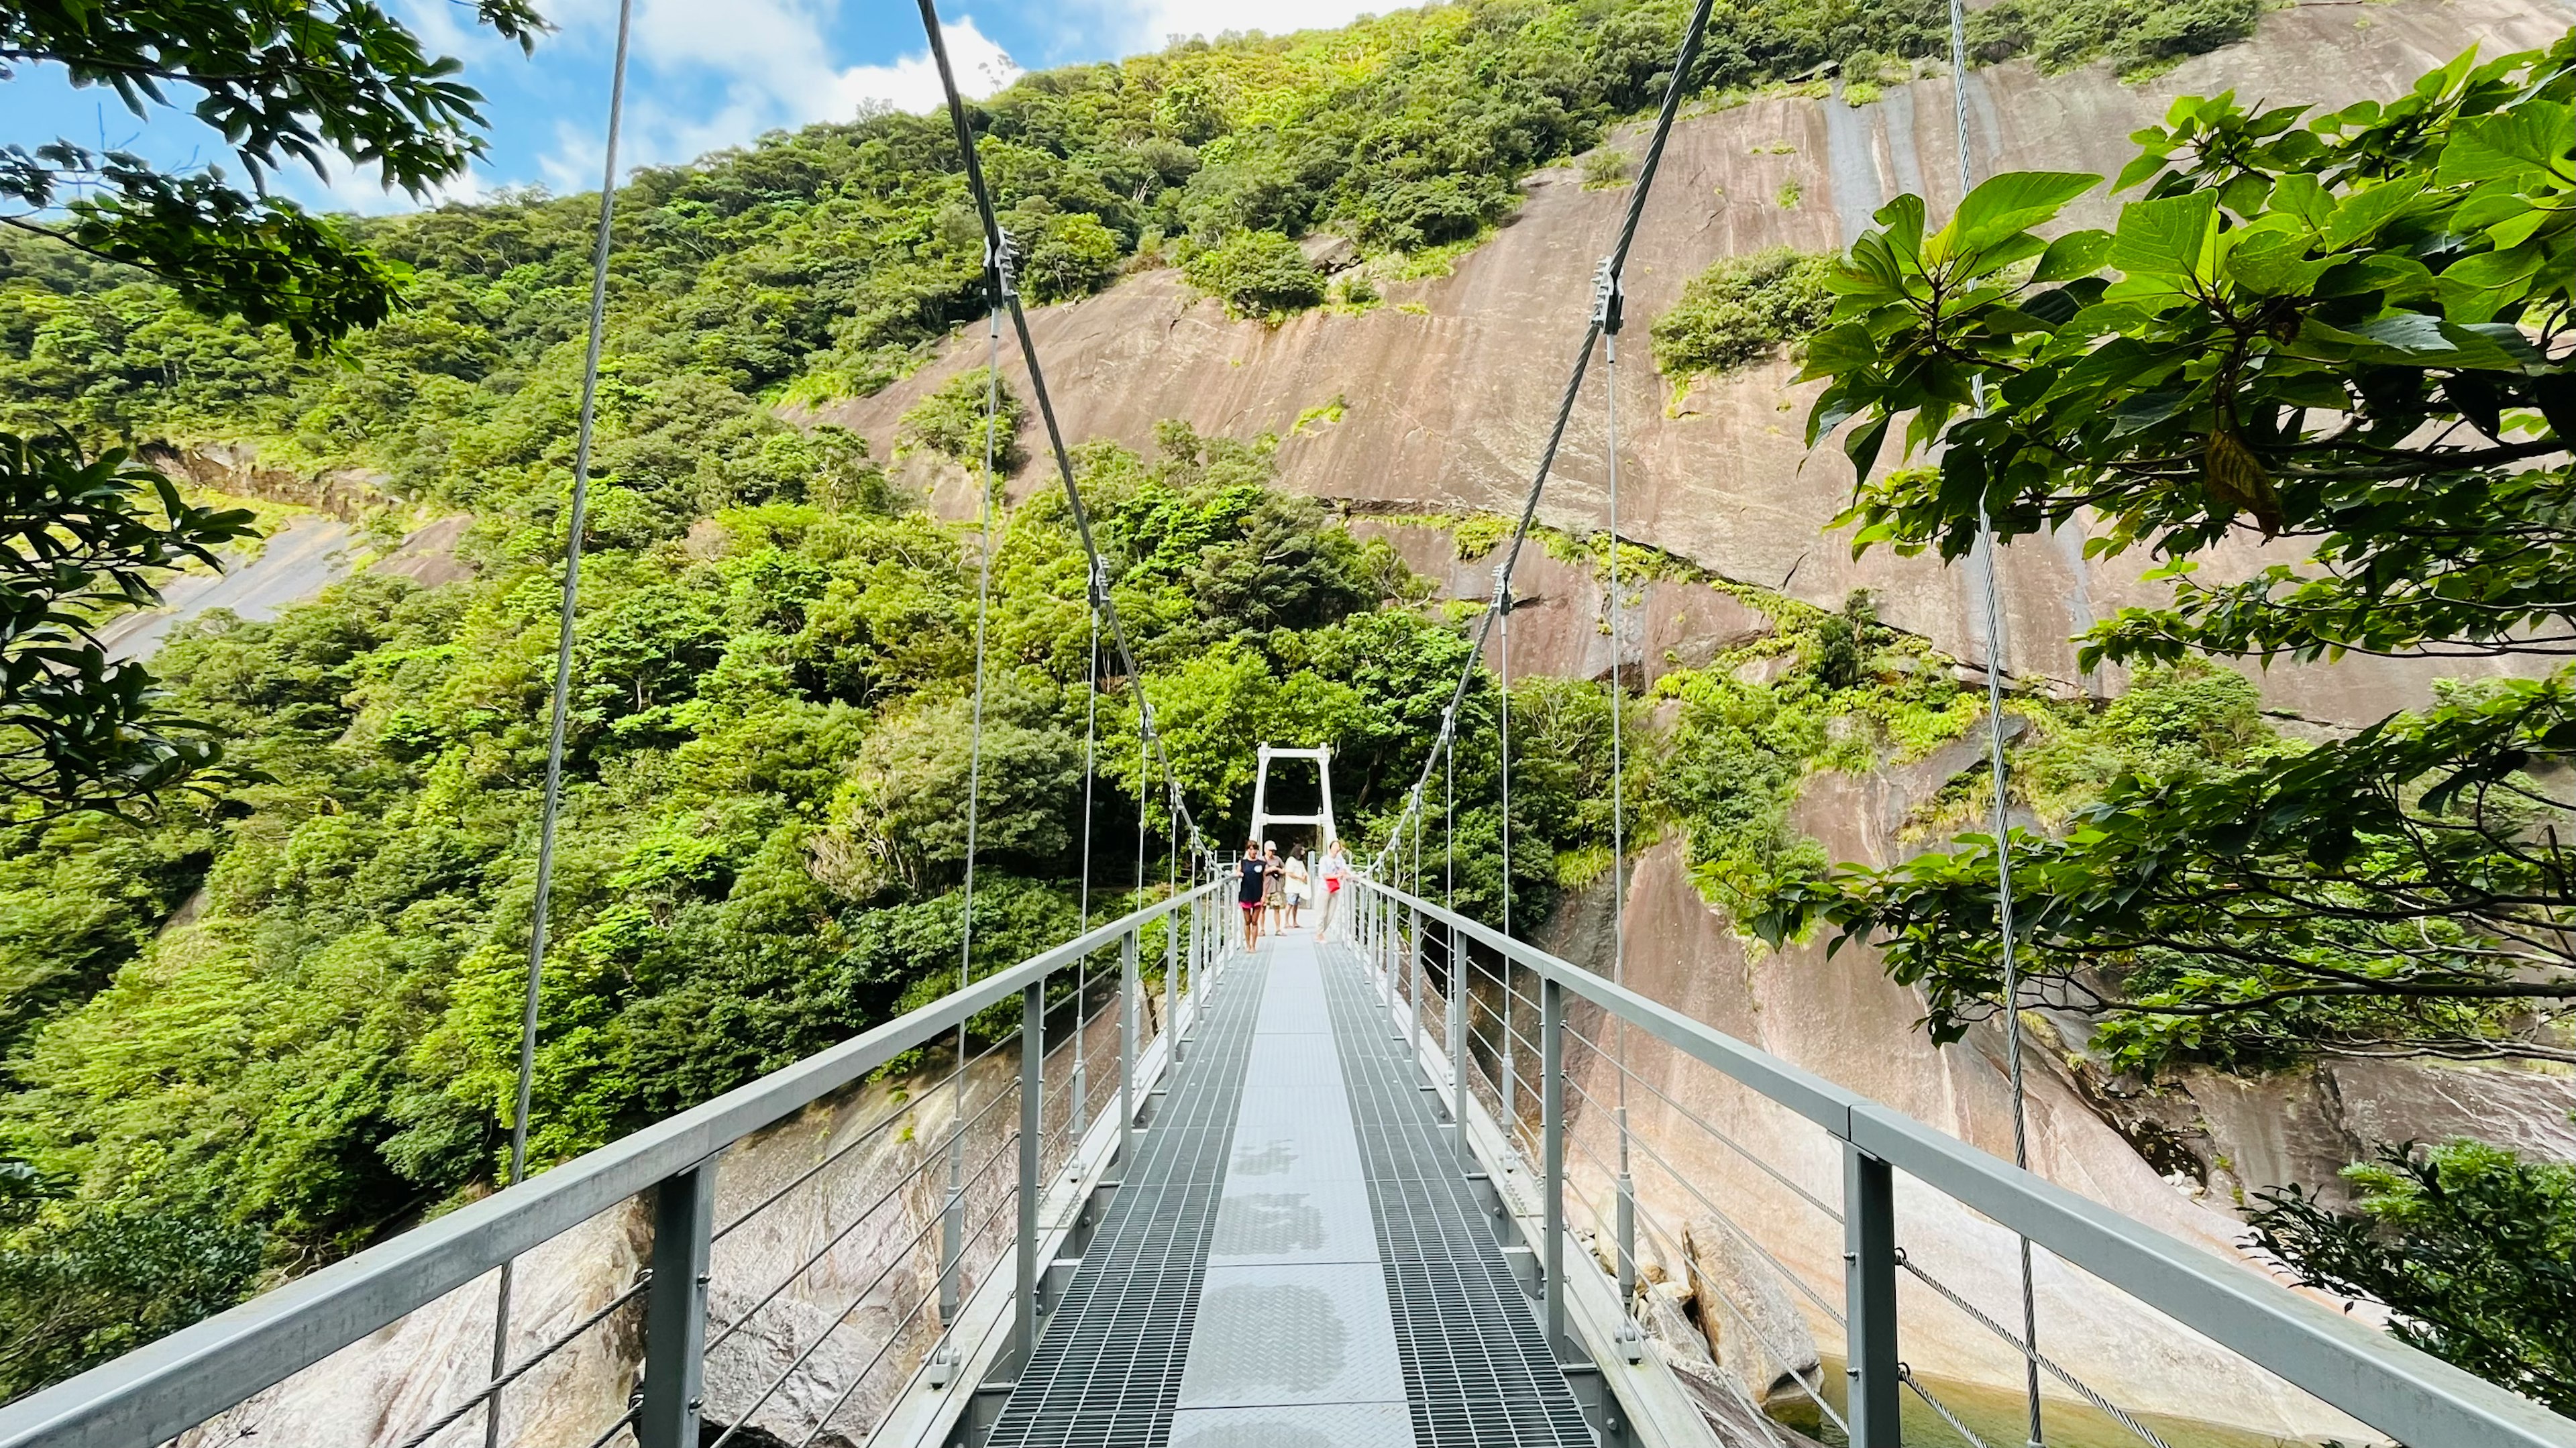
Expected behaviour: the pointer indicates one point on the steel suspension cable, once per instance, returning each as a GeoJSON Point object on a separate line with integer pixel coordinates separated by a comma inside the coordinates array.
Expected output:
{"type": "Point", "coordinates": [1674, 90]}
{"type": "Point", "coordinates": [2000, 773]}
{"type": "Point", "coordinates": [1607, 308]}
{"type": "Point", "coordinates": [550, 811]}
{"type": "Point", "coordinates": [995, 251]}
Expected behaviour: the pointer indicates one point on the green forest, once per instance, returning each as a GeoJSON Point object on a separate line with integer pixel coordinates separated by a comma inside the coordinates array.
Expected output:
{"type": "Point", "coordinates": [268, 1019]}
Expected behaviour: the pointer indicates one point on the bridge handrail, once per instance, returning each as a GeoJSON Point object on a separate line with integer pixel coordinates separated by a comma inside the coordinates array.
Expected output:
{"type": "Point", "coordinates": [158, 1391]}
{"type": "Point", "coordinates": [2415, 1397]}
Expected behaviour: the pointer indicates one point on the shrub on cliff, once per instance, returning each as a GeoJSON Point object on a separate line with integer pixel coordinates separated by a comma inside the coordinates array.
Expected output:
{"type": "Point", "coordinates": [1256, 274]}
{"type": "Point", "coordinates": [1742, 310]}
{"type": "Point", "coordinates": [2471, 1248]}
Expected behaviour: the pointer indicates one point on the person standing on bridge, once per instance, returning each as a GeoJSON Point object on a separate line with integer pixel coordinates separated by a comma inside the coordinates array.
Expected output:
{"type": "Point", "coordinates": [1249, 873]}
{"type": "Point", "coordinates": [1333, 870]}
{"type": "Point", "coordinates": [1274, 882]}
{"type": "Point", "coordinates": [1298, 880]}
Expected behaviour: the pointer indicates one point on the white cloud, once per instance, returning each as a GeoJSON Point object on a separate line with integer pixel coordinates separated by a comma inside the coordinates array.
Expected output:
{"type": "Point", "coordinates": [704, 77]}
{"type": "Point", "coordinates": [1150, 24]}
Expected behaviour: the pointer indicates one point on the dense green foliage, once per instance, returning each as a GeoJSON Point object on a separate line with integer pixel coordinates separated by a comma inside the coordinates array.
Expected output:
{"type": "Point", "coordinates": [2351, 332]}
{"type": "Point", "coordinates": [764, 836]}
{"type": "Point", "coordinates": [1742, 310]}
{"type": "Point", "coordinates": [2471, 1248]}
{"type": "Point", "coordinates": [248, 1035]}
{"type": "Point", "coordinates": [316, 82]}
{"type": "Point", "coordinates": [82, 537]}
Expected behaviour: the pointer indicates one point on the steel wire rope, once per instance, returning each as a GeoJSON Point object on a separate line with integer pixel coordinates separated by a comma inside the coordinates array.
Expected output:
{"type": "Point", "coordinates": [842, 1318]}
{"type": "Point", "coordinates": [448, 1419]}
{"type": "Point", "coordinates": [2036, 1358]}
{"type": "Point", "coordinates": [550, 810]}
{"type": "Point", "coordinates": [1674, 89]}
{"type": "Point", "coordinates": [864, 1136]}
{"type": "Point", "coordinates": [1608, 309]}
{"type": "Point", "coordinates": [1740, 1149]}
{"type": "Point", "coordinates": [894, 1336]}
{"type": "Point", "coordinates": [1995, 664]}
{"type": "Point", "coordinates": [1906, 1376]}
{"type": "Point", "coordinates": [1729, 1223]}
{"type": "Point", "coordinates": [1090, 778]}
{"type": "Point", "coordinates": [1663, 1235]}
{"type": "Point", "coordinates": [956, 1133]}
{"type": "Point", "coordinates": [1814, 1390]}
{"type": "Point", "coordinates": [995, 244]}
{"type": "Point", "coordinates": [633, 1411]}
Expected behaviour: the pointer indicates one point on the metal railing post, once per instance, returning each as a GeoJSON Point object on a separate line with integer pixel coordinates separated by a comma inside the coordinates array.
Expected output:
{"type": "Point", "coordinates": [952, 1230]}
{"type": "Point", "coordinates": [1627, 1236]}
{"type": "Point", "coordinates": [1172, 989]}
{"type": "Point", "coordinates": [1126, 1050]}
{"type": "Point", "coordinates": [1551, 1044]}
{"type": "Point", "coordinates": [1024, 1325]}
{"type": "Point", "coordinates": [1458, 1050]}
{"type": "Point", "coordinates": [675, 1308]}
{"type": "Point", "coordinates": [1507, 1084]}
{"type": "Point", "coordinates": [1869, 1298]}
{"type": "Point", "coordinates": [1417, 989]}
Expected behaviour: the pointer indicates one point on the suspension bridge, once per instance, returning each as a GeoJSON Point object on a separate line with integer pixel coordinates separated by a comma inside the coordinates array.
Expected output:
{"type": "Point", "coordinates": [1379, 1185]}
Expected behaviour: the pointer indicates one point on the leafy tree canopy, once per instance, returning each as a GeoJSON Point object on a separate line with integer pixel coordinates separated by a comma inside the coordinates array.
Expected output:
{"type": "Point", "coordinates": [2471, 1248]}
{"type": "Point", "coordinates": [83, 536]}
{"type": "Point", "coordinates": [2349, 333]}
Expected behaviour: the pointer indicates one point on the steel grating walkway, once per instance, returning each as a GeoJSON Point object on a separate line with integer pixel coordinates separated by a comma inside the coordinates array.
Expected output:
{"type": "Point", "coordinates": [1294, 1261]}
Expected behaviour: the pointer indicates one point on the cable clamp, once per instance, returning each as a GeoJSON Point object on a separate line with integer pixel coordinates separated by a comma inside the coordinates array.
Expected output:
{"type": "Point", "coordinates": [1607, 295]}
{"type": "Point", "coordinates": [1002, 254]}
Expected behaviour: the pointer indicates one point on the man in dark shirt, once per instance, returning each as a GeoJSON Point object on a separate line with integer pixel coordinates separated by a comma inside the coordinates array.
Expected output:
{"type": "Point", "coordinates": [1253, 875]}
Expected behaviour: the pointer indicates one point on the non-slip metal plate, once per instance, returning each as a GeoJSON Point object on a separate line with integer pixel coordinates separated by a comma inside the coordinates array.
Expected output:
{"type": "Point", "coordinates": [1477, 1369]}
{"type": "Point", "coordinates": [1272, 1334]}
{"type": "Point", "coordinates": [1335, 1425]}
{"type": "Point", "coordinates": [1107, 1371]}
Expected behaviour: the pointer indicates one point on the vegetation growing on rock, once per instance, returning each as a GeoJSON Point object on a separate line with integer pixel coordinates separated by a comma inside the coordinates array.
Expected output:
{"type": "Point", "coordinates": [1741, 310]}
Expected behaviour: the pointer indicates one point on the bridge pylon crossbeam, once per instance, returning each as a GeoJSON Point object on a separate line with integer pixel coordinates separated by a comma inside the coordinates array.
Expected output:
{"type": "Point", "coordinates": [1263, 817]}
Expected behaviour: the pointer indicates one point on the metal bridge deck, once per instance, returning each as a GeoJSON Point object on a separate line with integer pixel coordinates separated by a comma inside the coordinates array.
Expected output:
{"type": "Point", "coordinates": [1293, 1261]}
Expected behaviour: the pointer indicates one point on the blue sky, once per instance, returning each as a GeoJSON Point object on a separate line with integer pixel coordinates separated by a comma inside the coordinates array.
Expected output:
{"type": "Point", "coordinates": [704, 74]}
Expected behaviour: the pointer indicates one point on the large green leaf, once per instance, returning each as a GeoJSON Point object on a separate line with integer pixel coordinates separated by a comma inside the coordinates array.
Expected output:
{"type": "Point", "coordinates": [2002, 205]}
{"type": "Point", "coordinates": [2164, 238]}
{"type": "Point", "coordinates": [2533, 137]}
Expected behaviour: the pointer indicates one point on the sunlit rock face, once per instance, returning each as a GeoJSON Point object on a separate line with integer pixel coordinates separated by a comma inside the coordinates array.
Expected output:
{"type": "Point", "coordinates": [1450, 387]}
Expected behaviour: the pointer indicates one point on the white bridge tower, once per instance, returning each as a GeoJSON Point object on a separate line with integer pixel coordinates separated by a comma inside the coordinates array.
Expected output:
{"type": "Point", "coordinates": [1263, 818]}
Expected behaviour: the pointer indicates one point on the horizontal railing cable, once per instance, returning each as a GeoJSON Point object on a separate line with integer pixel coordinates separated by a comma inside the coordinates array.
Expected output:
{"type": "Point", "coordinates": [908, 1108]}
{"type": "Point", "coordinates": [840, 1319]}
{"type": "Point", "coordinates": [448, 1419]}
{"type": "Point", "coordinates": [955, 1134]}
{"type": "Point", "coordinates": [623, 1422]}
{"type": "Point", "coordinates": [1738, 1233]}
{"type": "Point", "coordinates": [1739, 1148]}
{"type": "Point", "coordinates": [894, 1335]}
{"type": "Point", "coordinates": [1906, 1376]}
{"type": "Point", "coordinates": [2038, 1359]}
{"type": "Point", "coordinates": [1814, 1391]}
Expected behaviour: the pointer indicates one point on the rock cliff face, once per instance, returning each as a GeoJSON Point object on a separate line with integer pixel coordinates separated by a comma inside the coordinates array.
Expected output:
{"type": "Point", "coordinates": [1449, 388]}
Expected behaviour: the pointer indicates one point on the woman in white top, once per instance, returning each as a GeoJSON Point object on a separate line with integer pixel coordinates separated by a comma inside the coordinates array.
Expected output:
{"type": "Point", "coordinates": [1297, 879]}
{"type": "Point", "coordinates": [1332, 870]}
